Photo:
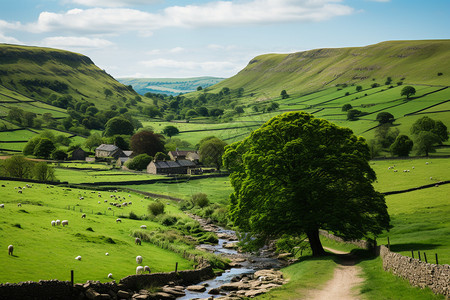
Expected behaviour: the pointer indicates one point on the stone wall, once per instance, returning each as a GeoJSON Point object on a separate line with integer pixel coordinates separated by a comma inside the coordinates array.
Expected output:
{"type": "Point", "coordinates": [55, 289]}
{"type": "Point", "coordinates": [418, 273]}
{"type": "Point", "coordinates": [359, 243]}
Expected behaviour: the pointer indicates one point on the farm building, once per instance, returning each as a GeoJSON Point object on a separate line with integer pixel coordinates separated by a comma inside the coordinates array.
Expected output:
{"type": "Point", "coordinates": [106, 150]}
{"type": "Point", "coordinates": [181, 166]}
{"type": "Point", "coordinates": [121, 161]}
{"type": "Point", "coordinates": [180, 155]}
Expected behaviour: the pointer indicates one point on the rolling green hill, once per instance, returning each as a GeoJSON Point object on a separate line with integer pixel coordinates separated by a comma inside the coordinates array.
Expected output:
{"type": "Point", "coordinates": [412, 62]}
{"type": "Point", "coordinates": [169, 86]}
{"type": "Point", "coordinates": [49, 75]}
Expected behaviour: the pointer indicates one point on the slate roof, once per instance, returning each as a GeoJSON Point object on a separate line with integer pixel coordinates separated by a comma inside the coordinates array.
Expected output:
{"type": "Point", "coordinates": [107, 147]}
{"type": "Point", "coordinates": [174, 164]}
{"type": "Point", "coordinates": [127, 153]}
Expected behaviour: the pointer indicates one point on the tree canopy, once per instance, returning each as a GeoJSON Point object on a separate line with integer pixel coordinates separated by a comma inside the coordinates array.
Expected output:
{"type": "Point", "coordinates": [298, 174]}
{"type": "Point", "coordinates": [402, 145]}
{"type": "Point", "coordinates": [385, 117]}
{"type": "Point", "coordinates": [118, 125]}
{"type": "Point", "coordinates": [427, 133]}
{"type": "Point", "coordinates": [211, 150]}
{"type": "Point", "coordinates": [170, 131]}
{"type": "Point", "coordinates": [408, 91]}
{"type": "Point", "coordinates": [147, 142]}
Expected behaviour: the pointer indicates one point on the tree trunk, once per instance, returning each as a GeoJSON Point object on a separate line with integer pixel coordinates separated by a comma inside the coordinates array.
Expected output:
{"type": "Point", "coordinates": [315, 243]}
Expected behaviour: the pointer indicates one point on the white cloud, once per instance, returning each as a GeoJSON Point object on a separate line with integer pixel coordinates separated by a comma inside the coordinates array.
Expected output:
{"type": "Point", "coordinates": [75, 42]}
{"type": "Point", "coordinates": [217, 13]}
{"type": "Point", "coordinates": [9, 39]}
{"type": "Point", "coordinates": [176, 50]}
{"type": "Point", "coordinates": [113, 3]}
{"type": "Point", "coordinates": [206, 66]}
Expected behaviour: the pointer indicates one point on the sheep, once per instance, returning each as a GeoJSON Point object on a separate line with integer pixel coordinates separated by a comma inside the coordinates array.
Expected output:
{"type": "Point", "coordinates": [395, 170]}
{"type": "Point", "coordinates": [53, 223]}
{"type": "Point", "coordinates": [426, 163]}
{"type": "Point", "coordinates": [143, 227]}
{"type": "Point", "coordinates": [78, 257]}
{"type": "Point", "coordinates": [110, 275]}
{"type": "Point", "coordinates": [431, 178]}
{"type": "Point", "coordinates": [129, 195]}
{"type": "Point", "coordinates": [10, 249]}
{"type": "Point", "coordinates": [83, 216]}
{"type": "Point", "coordinates": [137, 241]}
{"type": "Point", "coordinates": [118, 220]}
{"type": "Point", "coordinates": [58, 222]}
{"type": "Point", "coordinates": [19, 191]}
{"type": "Point", "coordinates": [139, 270]}
{"type": "Point", "coordinates": [139, 259]}
{"type": "Point", "coordinates": [147, 269]}
{"type": "Point", "coordinates": [81, 198]}
{"type": "Point", "coordinates": [98, 202]}
{"type": "Point", "coordinates": [2, 205]}
{"type": "Point", "coordinates": [19, 204]}
{"type": "Point", "coordinates": [109, 208]}
{"type": "Point", "coordinates": [106, 253]}
{"type": "Point", "coordinates": [106, 201]}
{"type": "Point", "coordinates": [64, 223]}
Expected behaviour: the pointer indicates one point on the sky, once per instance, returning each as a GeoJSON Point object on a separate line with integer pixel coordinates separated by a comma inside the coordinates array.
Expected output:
{"type": "Point", "coordinates": [179, 39]}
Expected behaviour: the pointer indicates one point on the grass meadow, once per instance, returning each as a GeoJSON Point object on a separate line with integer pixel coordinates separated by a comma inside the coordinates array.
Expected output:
{"type": "Point", "coordinates": [45, 252]}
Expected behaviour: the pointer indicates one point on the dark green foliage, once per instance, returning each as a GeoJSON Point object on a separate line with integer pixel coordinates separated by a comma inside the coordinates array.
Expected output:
{"type": "Point", "coordinates": [354, 114]}
{"type": "Point", "coordinates": [284, 94]}
{"type": "Point", "coordinates": [170, 131]}
{"type": "Point", "coordinates": [148, 142]}
{"type": "Point", "coordinates": [408, 91]}
{"type": "Point", "coordinates": [44, 148]}
{"type": "Point", "coordinates": [211, 151]}
{"type": "Point", "coordinates": [121, 142]}
{"type": "Point", "coordinates": [156, 208]}
{"type": "Point", "coordinates": [297, 174]}
{"type": "Point", "coordinates": [358, 88]}
{"type": "Point", "coordinates": [17, 225]}
{"type": "Point", "coordinates": [168, 220]}
{"type": "Point", "coordinates": [374, 85]}
{"type": "Point", "coordinates": [43, 172]}
{"type": "Point", "coordinates": [90, 229]}
{"type": "Point", "coordinates": [428, 124]}
{"type": "Point", "coordinates": [17, 166]}
{"type": "Point", "coordinates": [133, 216]}
{"type": "Point", "coordinates": [385, 135]}
{"type": "Point", "coordinates": [200, 199]}
{"type": "Point", "coordinates": [402, 146]}
{"type": "Point", "coordinates": [346, 107]}
{"type": "Point", "coordinates": [139, 162]}
{"type": "Point", "coordinates": [118, 125]}
{"type": "Point", "coordinates": [161, 156]}
{"type": "Point", "coordinates": [385, 117]}
{"type": "Point", "coordinates": [208, 238]}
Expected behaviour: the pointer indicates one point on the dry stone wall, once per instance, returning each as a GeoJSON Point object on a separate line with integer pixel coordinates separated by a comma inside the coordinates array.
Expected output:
{"type": "Point", "coordinates": [418, 273]}
{"type": "Point", "coordinates": [359, 243]}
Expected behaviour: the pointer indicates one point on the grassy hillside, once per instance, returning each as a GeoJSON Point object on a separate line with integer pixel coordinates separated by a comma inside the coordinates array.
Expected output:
{"type": "Point", "coordinates": [169, 86]}
{"type": "Point", "coordinates": [45, 74]}
{"type": "Point", "coordinates": [303, 72]}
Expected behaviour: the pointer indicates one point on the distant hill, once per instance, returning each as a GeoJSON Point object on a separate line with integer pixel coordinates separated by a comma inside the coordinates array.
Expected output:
{"type": "Point", "coordinates": [412, 62]}
{"type": "Point", "coordinates": [169, 86]}
{"type": "Point", "coordinates": [46, 75]}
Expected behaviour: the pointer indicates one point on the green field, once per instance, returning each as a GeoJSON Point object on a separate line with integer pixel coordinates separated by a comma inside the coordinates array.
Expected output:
{"type": "Point", "coordinates": [87, 176]}
{"type": "Point", "coordinates": [45, 252]}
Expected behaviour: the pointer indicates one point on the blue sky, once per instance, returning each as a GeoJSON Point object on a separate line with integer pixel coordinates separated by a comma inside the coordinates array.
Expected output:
{"type": "Point", "coordinates": [167, 38]}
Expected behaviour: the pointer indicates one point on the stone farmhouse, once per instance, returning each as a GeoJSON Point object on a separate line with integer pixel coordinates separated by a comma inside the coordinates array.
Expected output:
{"type": "Point", "coordinates": [182, 154]}
{"type": "Point", "coordinates": [182, 166]}
{"type": "Point", "coordinates": [107, 150]}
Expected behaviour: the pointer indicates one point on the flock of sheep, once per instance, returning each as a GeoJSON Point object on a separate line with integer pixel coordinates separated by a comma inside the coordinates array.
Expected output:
{"type": "Point", "coordinates": [139, 269]}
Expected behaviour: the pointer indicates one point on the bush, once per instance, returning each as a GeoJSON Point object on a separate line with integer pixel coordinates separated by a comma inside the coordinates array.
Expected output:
{"type": "Point", "coordinates": [200, 200]}
{"type": "Point", "coordinates": [168, 220]}
{"type": "Point", "coordinates": [156, 208]}
{"type": "Point", "coordinates": [140, 162]}
{"type": "Point", "coordinates": [347, 107]}
{"type": "Point", "coordinates": [133, 216]}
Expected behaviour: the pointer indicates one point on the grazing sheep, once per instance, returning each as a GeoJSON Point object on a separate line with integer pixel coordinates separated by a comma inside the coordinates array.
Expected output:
{"type": "Point", "coordinates": [2, 205]}
{"type": "Point", "coordinates": [10, 249]}
{"type": "Point", "coordinates": [78, 257]}
{"type": "Point", "coordinates": [58, 222]}
{"type": "Point", "coordinates": [143, 227]}
{"type": "Point", "coordinates": [137, 241]}
{"type": "Point", "coordinates": [413, 168]}
{"type": "Point", "coordinates": [106, 201]}
{"type": "Point", "coordinates": [395, 170]}
{"type": "Point", "coordinates": [109, 208]}
{"type": "Point", "coordinates": [129, 195]}
{"type": "Point", "coordinates": [81, 198]}
{"type": "Point", "coordinates": [83, 216]}
{"type": "Point", "coordinates": [110, 275]}
{"type": "Point", "coordinates": [19, 191]}
{"type": "Point", "coordinates": [426, 163]}
{"type": "Point", "coordinates": [19, 204]}
{"type": "Point", "coordinates": [53, 223]}
{"type": "Point", "coordinates": [139, 259]}
{"type": "Point", "coordinates": [98, 202]}
{"type": "Point", "coordinates": [139, 270]}
{"type": "Point", "coordinates": [431, 178]}
{"type": "Point", "coordinates": [106, 253]}
{"type": "Point", "coordinates": [147, 269]}
{"type": "Point", "coordinates": [118, 220]}
{"type": "Point", "coordinates": [64, 223]}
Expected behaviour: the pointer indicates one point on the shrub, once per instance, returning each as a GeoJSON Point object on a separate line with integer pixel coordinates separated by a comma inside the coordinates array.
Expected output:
{"type": "Point", "coordinates": [168, 220]}
{"type": "Point", "coordinates": [133, 216]}
{"type": "Point", "coordinates": [200, 199]}
{"type": "Point", "coordinates": [208, 237]}
{"type": "Point", "coordinates": [17, 225]}
{"type": "Point", "coordinates": [90, 229]}
{"type": "Point", "coordinates": [346, 107]}
{"type": "Point", "coordinates": [156, 208]}
{"type": "Point", "coordinates": [140, 162]}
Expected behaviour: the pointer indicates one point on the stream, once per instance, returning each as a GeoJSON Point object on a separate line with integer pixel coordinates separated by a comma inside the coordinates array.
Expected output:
{"type": "Point", "coordinates": [242, 263]}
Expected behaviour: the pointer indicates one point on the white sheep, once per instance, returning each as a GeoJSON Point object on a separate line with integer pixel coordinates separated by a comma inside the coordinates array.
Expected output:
{"type": "Point", "coordinates": [426, 163]}
{"type": "Point", "coordinates": [118, 220]}
{"type": "Point", "coordinates": [143, 227]}
{"type": "Point", "coordinates": [110, 275]}
{"type": "Point", "coordinates": [109, 208]}
{"type": "Point", "coordinates": [137, 241]}
{"type": "Point", "coordinates": [78, 257]}
{"type": "Point", "coordinates": [431, 178]}
{"type": "Point", "coordinates": [147, 269]}
{"type": "Point", "coordinates": [83, 216]}
{"type": "Point", "coordinates": [139, 270]}
{"type": "Point", "coordinates": [19, 204]}
{"type": "Point", "coordinates": [106, 253]}
{"type": "Point", "coordinates": [53, 223]}
{"type": "Point", "coordinates": [81, 198]}
{"type": "Point", "coordinates": [2, 205]}
{"type": "Point", "coordinates": [58, 222]}
{"type": "Point", "coordinates": [19, 191]}
{"type": "Point", "coordinates": [10, 249]}
{"type": "Point", "coordinates": [139, 259]}
{"type": "Point", "coordinates": [64, 223]}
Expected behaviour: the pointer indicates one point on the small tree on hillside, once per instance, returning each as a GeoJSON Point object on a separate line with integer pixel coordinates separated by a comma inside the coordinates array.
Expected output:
{"type": "Point", "coordinates": [211, 151]}
{"type": "Point", "coordinates": [284, 94]}
{"type": "Point", "coordinates": [347, 107]}
{"type": "Point", "coordinates": [408, 91]}
{"type": "Point", "coordinates": [147, 142]}
{"type": "Point", "coordinates": [402, 146]}
{"type": "Point", "coordinates": [118, 125]}
{"type": "Point", "coordinates": [358, 88]}
{"type": "Point", "coordinates": [385, 117]}
{"type": "Point", "coordinates": [170, 131]}
{"type": "Point", "coordinates": [44, 148]}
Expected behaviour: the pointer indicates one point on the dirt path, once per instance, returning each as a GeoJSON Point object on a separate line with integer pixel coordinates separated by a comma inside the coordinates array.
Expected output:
{"type": "Point", "coordinates": [340, 287]}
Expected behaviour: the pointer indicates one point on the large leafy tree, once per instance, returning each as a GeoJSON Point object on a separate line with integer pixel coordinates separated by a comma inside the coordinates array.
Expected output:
{"type": "Point", "coordinates": [402, 145]}
{"type": "Point", "coordinates": [170, 131]}
{"type": "Point", "coordinates": [118, 125]}
{"type": "Point", "coordinates": [298, 174]}
{"type": "Point", "coordinates": [427, 133]}
{"type": "Point", "coordinates": [148, 142]}
{"type": "Point", "coordinates": [211, 150]}
{"type": "Point", "coordinates": [408, 91]}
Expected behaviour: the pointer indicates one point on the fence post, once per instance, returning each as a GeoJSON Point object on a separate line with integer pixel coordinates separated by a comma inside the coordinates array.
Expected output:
{"type": "Point", "coordinates": [425, 257]}
{"type": "Point", "coordinates": [389, 244]}
{"type": "Point", "coordinates": [71, 276]}
{"type": "Point", "coordinates": [176, 267]}
{"type": "Point", "coordinates": [412, 253]}
{"type": "Point", "coordinates": [419, 254]}
{"type": "Point", "coordinates": [436, 258]}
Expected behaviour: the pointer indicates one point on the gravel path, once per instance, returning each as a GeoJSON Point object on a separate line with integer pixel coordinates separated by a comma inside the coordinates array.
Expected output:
{"type": "Point", "coordinates": [341, 287]}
